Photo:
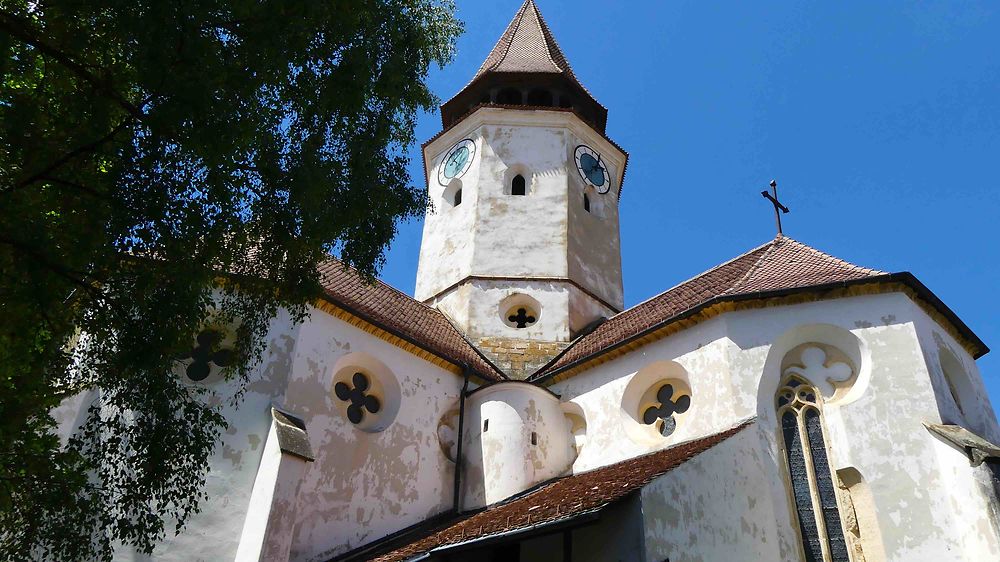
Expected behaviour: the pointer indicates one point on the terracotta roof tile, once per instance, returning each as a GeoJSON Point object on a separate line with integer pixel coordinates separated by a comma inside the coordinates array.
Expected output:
{"type": "Point", "coordinates": [781, 264]}
{"type": "Point", "coordinates": [527, 46]}
{"type": "Point", "coordinates": [559, 499]}
{"type": "Point", "coordinates": [402, 316]}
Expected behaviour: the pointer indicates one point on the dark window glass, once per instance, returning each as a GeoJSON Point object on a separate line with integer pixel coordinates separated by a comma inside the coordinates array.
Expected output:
{"type": "Point", "coordinates": [517, 185]}
{"type": "Point", "coordinates": [486, 425]}
{"type": "Point", "coordinates": [586, 203]}
{"type": "Point", "coordinates": [827, 489]}
{"type": "Point", "coordinates": [800, 488]}
{"type": "Point", "coordinates": [458, 197]}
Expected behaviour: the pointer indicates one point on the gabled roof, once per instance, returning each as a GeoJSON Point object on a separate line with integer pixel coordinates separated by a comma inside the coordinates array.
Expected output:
{"type": "Point", "coordinates": [562, 499]}
{"type": "Point", "coordinates": [778, 267]}
{"type": "Point", "coordinates": [401, 316]}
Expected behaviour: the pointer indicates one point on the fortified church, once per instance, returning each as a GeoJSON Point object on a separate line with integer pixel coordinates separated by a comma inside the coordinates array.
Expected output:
{"type": "Point", "coordinates": [784, 405]}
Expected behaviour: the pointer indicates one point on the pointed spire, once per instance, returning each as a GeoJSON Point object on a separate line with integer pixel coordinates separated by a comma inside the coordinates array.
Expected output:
{"type": "Point", "coordinates": [526, 46]}
{"type": "Point", "coordinates": [526, 60]}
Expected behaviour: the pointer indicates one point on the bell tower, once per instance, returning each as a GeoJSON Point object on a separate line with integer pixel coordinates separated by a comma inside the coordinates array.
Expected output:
{"type": "Point", "coordinates": [521, 248]}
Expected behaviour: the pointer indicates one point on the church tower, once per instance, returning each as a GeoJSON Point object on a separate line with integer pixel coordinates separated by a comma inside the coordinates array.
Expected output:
{"type": "Point", "coordinates": [521, 248]}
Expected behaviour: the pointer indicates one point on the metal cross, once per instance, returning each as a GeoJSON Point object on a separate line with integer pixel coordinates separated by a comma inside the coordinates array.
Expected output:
{"type": "Point", "coordinates": [773, 198]}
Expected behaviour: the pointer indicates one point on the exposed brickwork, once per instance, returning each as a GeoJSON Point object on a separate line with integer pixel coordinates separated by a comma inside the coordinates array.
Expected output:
{"type": "Point", "coordinates": [519, 358]}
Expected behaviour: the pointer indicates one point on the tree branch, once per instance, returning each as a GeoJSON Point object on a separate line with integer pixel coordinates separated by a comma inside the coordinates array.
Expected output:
{"type": "Point", "coordinates": [19, 29]}
{"type": "Point", "coordinates": [71, 155]}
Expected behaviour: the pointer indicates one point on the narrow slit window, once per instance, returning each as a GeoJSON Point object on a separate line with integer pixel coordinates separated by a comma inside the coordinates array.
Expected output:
{"type": "Point", "coordinates": [534, 438]}
{"type": "Point", "coordinates": [517, 186]}
{"type": "Point", "coordinates": [486, 425]}
{"type": "Point", "coordinates": [586, 202]}
{"type": "Point", "coordinates": [458, 198]}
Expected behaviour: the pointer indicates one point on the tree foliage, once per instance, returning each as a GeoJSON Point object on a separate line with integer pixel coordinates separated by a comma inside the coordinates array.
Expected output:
{"type": "Point", "coordinates": [164, 165]}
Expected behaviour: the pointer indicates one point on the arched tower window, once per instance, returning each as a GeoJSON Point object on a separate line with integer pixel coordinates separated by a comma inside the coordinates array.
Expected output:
{"type": "Point", "coordinates": [509, 96]}
{"type": "Point", "coordinates": [541, 98]}
{"type": "Point", "coordinates": [814, 491]}
{"type": "Point", "coordinates": [517, 186]}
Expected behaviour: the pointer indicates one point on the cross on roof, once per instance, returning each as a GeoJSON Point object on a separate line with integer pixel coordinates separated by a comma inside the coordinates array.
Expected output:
{"type": "Point", "coordinates": [773, 198]}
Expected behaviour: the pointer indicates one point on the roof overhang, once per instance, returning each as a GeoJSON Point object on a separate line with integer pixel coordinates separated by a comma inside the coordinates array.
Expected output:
{"type": "Point", "coordinates": [904, 282]}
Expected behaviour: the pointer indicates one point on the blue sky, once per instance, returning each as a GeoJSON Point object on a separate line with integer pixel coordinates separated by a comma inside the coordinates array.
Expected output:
{"type": "Point", "coordinates": [879, 120]}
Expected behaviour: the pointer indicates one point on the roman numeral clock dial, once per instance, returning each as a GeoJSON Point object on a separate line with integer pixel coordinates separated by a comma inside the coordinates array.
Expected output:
{"type": "Point", "coordinates": [592, 168]}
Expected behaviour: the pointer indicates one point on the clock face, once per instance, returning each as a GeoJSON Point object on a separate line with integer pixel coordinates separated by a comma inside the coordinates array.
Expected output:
{"type": "Point", "coordinates": [457, 161]}
{"type": "Point", "coordinates": [592, 169]}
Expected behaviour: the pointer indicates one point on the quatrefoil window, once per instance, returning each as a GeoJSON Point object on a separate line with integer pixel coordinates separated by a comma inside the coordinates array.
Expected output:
{"type": "Point", "coordinates": [521, 317]}
{"type": "Point", "coordinates": [358, 398]}
{"type": "Point", "coordinates": [206, 353]}
{"type": "Point", "coordinates": [662, 414]}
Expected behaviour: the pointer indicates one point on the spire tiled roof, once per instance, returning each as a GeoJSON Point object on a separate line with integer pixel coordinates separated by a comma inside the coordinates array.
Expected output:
{"type": "Point", "coordinates": [402, 316]}
{"type": "Point", "coordinates": [527, 46]}
{"type": "Point", "coordinates": [779, 265]}
{"type": "Point", "coordinates": [526, 55]}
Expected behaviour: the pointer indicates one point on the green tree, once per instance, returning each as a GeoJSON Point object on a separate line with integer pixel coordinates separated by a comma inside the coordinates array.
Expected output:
{"type": "Point", "coordinates": [147, 147]}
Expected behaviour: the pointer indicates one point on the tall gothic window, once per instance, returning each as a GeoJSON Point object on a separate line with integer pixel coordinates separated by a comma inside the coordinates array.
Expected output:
{"type": "Point", "coordinates": [813, 486]}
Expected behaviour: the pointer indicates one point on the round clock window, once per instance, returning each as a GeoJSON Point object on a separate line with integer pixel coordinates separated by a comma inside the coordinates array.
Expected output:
{"type": "Point", "coordinates": [457, 161]}
{"type": "Point", "coordinates": [592, 168]}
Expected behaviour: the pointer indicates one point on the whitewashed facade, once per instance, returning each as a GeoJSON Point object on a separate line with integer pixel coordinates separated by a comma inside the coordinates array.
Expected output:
{"type": "Point", "coordinates": [347, 442]}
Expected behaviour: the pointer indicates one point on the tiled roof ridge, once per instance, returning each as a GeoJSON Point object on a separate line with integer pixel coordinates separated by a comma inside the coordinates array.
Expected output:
{"type": "Point", "coordinates": [770, 247]}
{"type": "Point", "coordinates": [507, 37]}
{"type": "Point", "coordinates": [548, 42]}
{"type": "Point", "coordinates": [551, 47]}
{"type": "Point", "coordinates": [702, 274]}
{"type": "Point", "coordinates": [832, 257]}
{"type": "Point", "coordinates": [415, 322]}
{"type": "Point", "coordinates": [551, 44]}
{"type": "Point", "coordinates": [378, 282]}
{"type": "Point", "coordinates": [544, 368]}
{"type": "Point", "coordinates": [781, 242]}
{"type": "Point", "coordinates": [591, 491]}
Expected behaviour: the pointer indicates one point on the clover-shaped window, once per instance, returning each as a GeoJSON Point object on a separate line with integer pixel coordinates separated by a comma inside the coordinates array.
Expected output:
{"type": "Point", "coordinates": [521, 317]}
{"type": "Point", "coordinates": [358, 396]}
{"type": "Point", "coordinates": [208, 351]}
{"type": "Point", "coordinates": [669, 402]}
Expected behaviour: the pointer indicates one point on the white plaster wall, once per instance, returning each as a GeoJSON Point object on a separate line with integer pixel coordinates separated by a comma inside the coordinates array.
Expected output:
{"type": "Point", "coordinates": [929, 505]}
{"type": "Point", "coordinates": [713, 507]}
{"type": "Point", "coordinates": [362, 485]}
{"type": "Point", "coordinates": [214, 532]}
{"type": "Point", "coordinates": [545, 233]}
{"type": "Point", "coordinates": [702, 351]}
{"type": "Point", "coordinates": [485, 298]}
{"type": "Point", "coordinates": [502, 461]}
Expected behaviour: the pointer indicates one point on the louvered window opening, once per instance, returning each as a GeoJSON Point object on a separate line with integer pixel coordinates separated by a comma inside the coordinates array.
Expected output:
{"type": "Point", "coordinates": [813, 488]}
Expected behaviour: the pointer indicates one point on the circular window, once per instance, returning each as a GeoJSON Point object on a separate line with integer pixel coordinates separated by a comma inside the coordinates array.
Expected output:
{"type": "Point", "coordinates": [656, 402]}
{"type": "Point", "coordinates": [365, 392]}
{"type": "Point", "coordinates": [519, 311]}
